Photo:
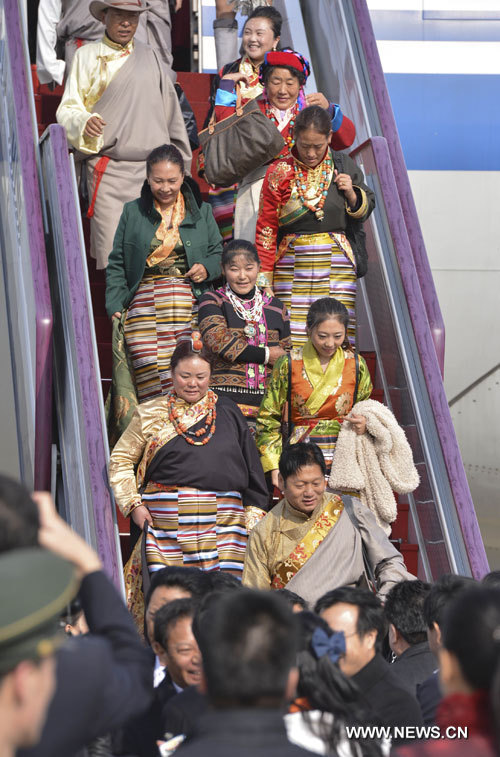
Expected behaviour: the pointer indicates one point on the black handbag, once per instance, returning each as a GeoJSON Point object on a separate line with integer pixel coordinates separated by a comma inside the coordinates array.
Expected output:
{"type": "Point", "coordinates": [239, 144]}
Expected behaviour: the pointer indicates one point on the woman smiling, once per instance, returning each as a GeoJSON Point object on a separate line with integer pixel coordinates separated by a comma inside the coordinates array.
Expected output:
{"type": "Point", "coordinates": [283, 74]}
{"type": "Point", "coordinates": [246, 329]}
{"type": "Point", "coordinates": [166, 251]}
{"type": "Point", "coordinates": [196, 509]}
{"type": "Point", "coordinates": [327, 379]}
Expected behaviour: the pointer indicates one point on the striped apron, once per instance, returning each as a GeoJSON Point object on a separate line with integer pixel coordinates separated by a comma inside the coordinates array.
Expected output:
{"type": "Point", "coordinates": [314, 266]}
{"type": "Point", "coordinates": [194, 528]}
{"type": "Point", "coordinates": [162, 313]}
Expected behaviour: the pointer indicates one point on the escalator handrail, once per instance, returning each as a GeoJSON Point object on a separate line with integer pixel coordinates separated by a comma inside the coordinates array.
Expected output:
{"type": "Point", "coordinates": [428, 359]}
{"type": "Point", "coordinates": [24, 127]}
{"type": "Point", "coordinates": [390, 132]}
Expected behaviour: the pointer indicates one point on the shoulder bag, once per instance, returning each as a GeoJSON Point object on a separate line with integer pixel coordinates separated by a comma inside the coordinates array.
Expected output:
{"type": "Point", "coordinates": [239, 144]}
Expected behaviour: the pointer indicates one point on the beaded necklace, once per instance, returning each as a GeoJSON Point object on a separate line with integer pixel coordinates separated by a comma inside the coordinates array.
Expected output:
{"type": "Point", "coordinates": [251, 315]}
{"type": "Point", "coordinates": [312, 186]}
{"type": "Point", "coordinates": [175, 417]}
{"type": "Point", "coordinates": [290, 140]}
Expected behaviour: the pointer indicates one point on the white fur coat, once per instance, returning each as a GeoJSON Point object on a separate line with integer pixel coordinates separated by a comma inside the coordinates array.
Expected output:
{"type": "Point", "coordinates": [376, 463]}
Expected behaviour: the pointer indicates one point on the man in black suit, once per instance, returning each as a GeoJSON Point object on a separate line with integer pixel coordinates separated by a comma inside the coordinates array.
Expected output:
{"type": "Point", "coordinates": [404, 610]}
{"type": "Point", "coordinates": [360, 615]}
{"type": "Point", "coordinates": [440, 596]}
{"type": "Point", "coordinates": [248, 641]}
{"type": "Point", "coordinates": [103, 677]}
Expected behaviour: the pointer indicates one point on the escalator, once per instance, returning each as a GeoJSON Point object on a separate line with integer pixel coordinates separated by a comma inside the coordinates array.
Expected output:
{"type": "Point", "coordinates": [398, 313]}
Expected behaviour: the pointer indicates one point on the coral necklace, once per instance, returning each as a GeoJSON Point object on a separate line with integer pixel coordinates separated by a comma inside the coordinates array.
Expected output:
{"type": "Point", "coordinates": [312, 187]}
{"type": "Point", "coordinates": [175, 417]}
{"type": "Point", "coordinates": [291, 123]}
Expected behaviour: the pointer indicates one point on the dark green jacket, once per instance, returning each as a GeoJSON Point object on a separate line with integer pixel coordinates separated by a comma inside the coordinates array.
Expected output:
{"type": "Point", "coordinates": [131, 246]}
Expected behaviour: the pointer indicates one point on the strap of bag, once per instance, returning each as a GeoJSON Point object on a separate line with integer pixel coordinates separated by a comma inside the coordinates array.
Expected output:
{"type": "Point", "coordinates": [289, 396]}
{"type": "Point", "coordinates": [349, 508]}
{"type": "Point", "coordinates": [356, 384]}
{"type": "Point", "coordinates": [239, 110]}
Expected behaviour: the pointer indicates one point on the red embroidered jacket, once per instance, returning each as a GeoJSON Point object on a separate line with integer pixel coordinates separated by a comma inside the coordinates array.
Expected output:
{"type": "Point", "coordinates": [276, 192]}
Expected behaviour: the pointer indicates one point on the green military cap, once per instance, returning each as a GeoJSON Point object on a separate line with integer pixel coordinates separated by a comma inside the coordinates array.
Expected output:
{"type": "Point", "coordinates": [35, 585]}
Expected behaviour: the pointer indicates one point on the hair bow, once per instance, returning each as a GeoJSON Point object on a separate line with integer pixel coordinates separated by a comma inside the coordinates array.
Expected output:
{"type": "Point", "coordinates": [333, 646]}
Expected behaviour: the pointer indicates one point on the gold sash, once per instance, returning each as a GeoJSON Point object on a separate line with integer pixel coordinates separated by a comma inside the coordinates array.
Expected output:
{"type": "Point", "coordinates": [324, 384]}
{"type": "Point", "coordinates": [298, 557]}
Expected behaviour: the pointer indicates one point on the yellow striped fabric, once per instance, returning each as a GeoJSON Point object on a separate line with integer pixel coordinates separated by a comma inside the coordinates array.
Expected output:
{"type": "Point", "coordinates": [162, 312]}
{"type": "Point", "coordinates": [314, 266]}
{"type": "Point", "coordinates": [195, 528]}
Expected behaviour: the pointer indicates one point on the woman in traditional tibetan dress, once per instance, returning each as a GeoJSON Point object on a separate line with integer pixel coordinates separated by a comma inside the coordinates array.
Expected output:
{"type": "Point", "coordinates": [246, 329]}
{"type": "Point", "coordinates": [309, 231]}
{"type": "Point", "coordinates": [327, 379]}
{"type": "Point", "coordinates": [199, 482]}
{"type": "Point", "coordinates": [261, 33]}
{"type": "Point", "coordinates": [283, 74]}
{"type": "Point", "coordinates": [166, 250]}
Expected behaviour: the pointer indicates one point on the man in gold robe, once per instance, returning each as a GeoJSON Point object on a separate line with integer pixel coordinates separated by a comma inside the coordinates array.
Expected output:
{"type": "Point", "coordinates": [119, 103]}
{"type": "Point", "coordinates": [313, 540]}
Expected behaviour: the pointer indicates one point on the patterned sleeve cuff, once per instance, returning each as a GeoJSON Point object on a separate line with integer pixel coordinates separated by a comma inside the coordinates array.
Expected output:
{"type": "Point", "coordinates": [127, 509]}
{"type": "Point", "coordinates": [265, 279]}
{"type": "Point", "coordinates": [361, 211]}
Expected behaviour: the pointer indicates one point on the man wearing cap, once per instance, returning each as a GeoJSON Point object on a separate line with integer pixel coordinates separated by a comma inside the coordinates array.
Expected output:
{"type": "Point", "coordinates": [118, 105]}
{"type": "Point", "coordinates": [66, 25]}
{"type": "Point", "coordinates": [35, 587]}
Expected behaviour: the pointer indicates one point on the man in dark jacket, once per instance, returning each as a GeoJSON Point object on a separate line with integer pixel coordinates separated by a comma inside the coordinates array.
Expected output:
{"type": "Point", "coordinates": [441, 594]}
{"type": "Point", "coordinates": [360, 615]}
{"type": "Point", "coordinates": [248, 643]}
{"type": "Point", "coordinates": [102, 678]}
{"type": "Point", "coordinates": [404, 610]}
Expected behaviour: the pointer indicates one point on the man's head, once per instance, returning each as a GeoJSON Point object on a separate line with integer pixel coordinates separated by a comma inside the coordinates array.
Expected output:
{"type": "Point", "coordinates": [296, 602]}
{"type": "Point", "coordinates": [174, 643]}
{"type": "Point", "coordinates": [404, 609]}
{"type": "Point", "coordinates": [360, 615]}
{"type": "Point", "coordinates": [169, 584]}
{"type": "Point", "coordinates": [248, 640]}
{"type": "Point", "coordinates": [440, 596]}
{"type": "Point", "coordinates": [19, 521]}
{"type": "Point", "coordinates": [120, 18]}
{"type": "Point", "coordinates": [35, 587]}
{"type": "Point", "coordinates": [302, 476]}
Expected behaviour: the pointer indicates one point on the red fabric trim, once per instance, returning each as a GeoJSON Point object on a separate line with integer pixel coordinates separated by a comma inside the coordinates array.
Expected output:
{"type": "Point", "coordinates": [99, 171]}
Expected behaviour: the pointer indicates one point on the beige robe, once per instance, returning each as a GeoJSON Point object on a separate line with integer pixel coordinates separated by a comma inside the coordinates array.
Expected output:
{"type": "Point", "coordinates": [141, 112]}
{"type": "Point", "coordinates": [337, 562]}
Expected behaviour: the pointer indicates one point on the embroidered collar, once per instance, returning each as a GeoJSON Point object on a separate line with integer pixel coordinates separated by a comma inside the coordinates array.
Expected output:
{"type": "Point", "coordinates": [115, 46]}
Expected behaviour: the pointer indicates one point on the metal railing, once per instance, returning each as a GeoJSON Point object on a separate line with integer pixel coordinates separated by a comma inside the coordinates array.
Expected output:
{"type": "Point", "coordinates": [28, 311]}
{"type": "Point", "coordinates": [444, 522]}
{"type": "Point", "coordinates": [85, 496]}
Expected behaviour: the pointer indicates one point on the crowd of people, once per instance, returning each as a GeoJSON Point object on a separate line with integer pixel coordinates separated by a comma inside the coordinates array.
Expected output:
{"type": "Point", "coordinates": [227, 670]}
{"type": "Point", "coordinates": [267, 609]}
